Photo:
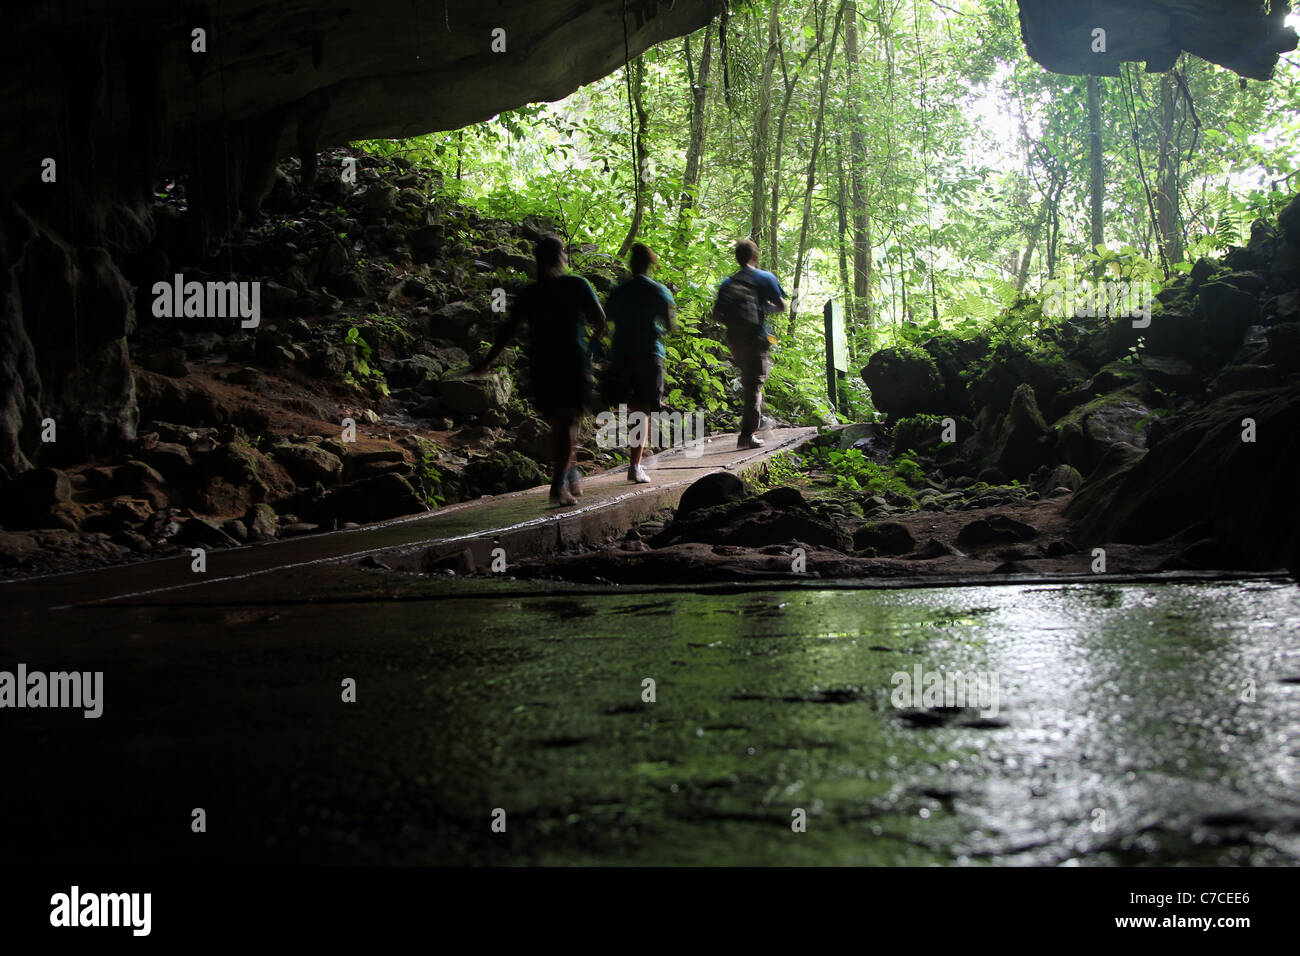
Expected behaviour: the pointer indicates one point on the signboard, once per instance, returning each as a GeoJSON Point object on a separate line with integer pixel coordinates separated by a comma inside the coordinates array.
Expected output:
{"type": "Point", "coordinates": [837, 340]}
{"type": "Point", "coordinates": [837, 349]}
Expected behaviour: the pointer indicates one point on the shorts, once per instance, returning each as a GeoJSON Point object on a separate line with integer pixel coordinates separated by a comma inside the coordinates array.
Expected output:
{"type": "Point", "coordinates": [558, 392]}
{"type": "Point", "coordinates": [636, 381]}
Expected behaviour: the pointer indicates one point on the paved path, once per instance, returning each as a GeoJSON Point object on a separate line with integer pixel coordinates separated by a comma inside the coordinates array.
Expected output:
{"type": "Point", "coordinates": [524, 523]}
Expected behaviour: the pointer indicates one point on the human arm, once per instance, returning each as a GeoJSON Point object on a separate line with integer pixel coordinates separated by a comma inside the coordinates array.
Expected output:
{"type": "Point", "coordinates": [595, 316]}
{"type": "Point", "coordinates": [775, 298]}
{"type": "Point", "coordinates": [504, 335]}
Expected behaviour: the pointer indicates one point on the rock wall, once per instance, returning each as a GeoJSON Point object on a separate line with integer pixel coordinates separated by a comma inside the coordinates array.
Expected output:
{"type": "Point", "coordinates": [1238, 34]}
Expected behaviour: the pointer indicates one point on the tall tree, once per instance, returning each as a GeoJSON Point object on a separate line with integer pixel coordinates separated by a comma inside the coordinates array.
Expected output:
{"type": "Point", "coordinates": [641, 170]}
{"type": "Point", "coordinates": [818, 127]}
{"type": "Point", "coordinates": [1167, 170]}
{"type": "Point", "coordinates": [699, 83]}
{"type": "Point", "coordinates": [857, 163]}
{"type": "Point", "coordinates": [762, 120]}
{"type": "Point", "coordinates": [1097, 181]}
{"type": "Point", "coordinates": [791, 81]}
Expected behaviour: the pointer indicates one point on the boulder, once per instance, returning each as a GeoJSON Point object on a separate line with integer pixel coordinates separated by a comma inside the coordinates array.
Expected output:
{"type": "Point", "coordinates": [1284, 346]}
{"type": "Point", "coordinates": [137, 480]}
{"type": "Point", "coordinates": [1010, 366]}
{"type": "Point", "coordinates": [1244, 378]}
{"type": "Point", "coordinates": [379, 201]}
{"type": "Point", "coordinates": [1064, 476]}
{"type": "Point", "coordinates": [1172, 375]}
{"type": "Point", "coordinates": [170, 362]}
{"type": "Point", "coordinates": [475, 395]}
{"type": "Point", "coordinates": [1228, 311]}
{"type": "Point", "coordinates": [455, 320]}
{"type": "Point", "coordinates": [995, 529]}
{"type": "Point", "coordinates": [372, 499]}
{"type": "Point", "coordinates": [721, 487]}
{"type": "Point", "coordinates": [413, 372]}
{"type": "Point", "coordinates": [955, 356]}
{"type": "Point", "coordinates": [1084, 435]}
{"type": "Point", "coordinates": [504, 257]}
{"type": "Point", "coordinates": [904, 381]}
{"type": "Point", "coordinates": [29, 500]}
{"type": "Point", "coordinates": [168, 458]}
{"type": "Point", "coordinates": [201, 533]}
{"type": "Point", "coordinates": [308, 463]}
{"type": "Point", "coordinates": [368, 464]}
{"type": "Point", "coordinates": [261, 521]}
{"type": "Point", "coordinates": [500, 473]}
{"type": "Point", "coordinates": [1025, 442]}
{"type": "Point", "coordinates": [883, 538]}
{"type": "Point", "coordinates": [777, 517]}
{"type": "Point", "coordinates": [1203, 471]}
{"type": "Point", "coordinates": [922, 434]}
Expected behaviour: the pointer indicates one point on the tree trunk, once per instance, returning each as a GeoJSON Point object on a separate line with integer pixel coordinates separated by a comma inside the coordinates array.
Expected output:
{"type": "Point", "coordinates": [695, 149]}
{"type": "Point", "coordinates": [1167, 172]}
{"type": "Point", "coordinates": [1094, 141]}
{"type": "Point", "coordinates": [773, 219]}
{"type": "Point", "coordinates": [827, 63]}
{"type": "Point", "coordinates": [861, 309]}
{"type": "Point", "coordinates": [639, 150]}
{"type": "Point", "coordinates": [846, 284]}
{"type": "Point", "coordinates": [1031, 243]}
{"type": "Point", "coordinates": [757, 231]}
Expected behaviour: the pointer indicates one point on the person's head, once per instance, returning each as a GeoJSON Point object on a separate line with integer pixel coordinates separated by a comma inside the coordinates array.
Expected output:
{"type": "Point", "coordinates": [746, 252]}
{"type": "Point", "coordinates": [642, 259]}
{"type": "Point", "coordinates": [549, 253]}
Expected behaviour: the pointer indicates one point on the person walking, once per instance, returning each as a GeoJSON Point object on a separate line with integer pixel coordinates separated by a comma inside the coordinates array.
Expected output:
{"type": "Point", "coordinates": [558, 309]}
{"type": "Point", "coordinates": [744, 302]}
{"type": "Point", "coordinates": [641, 311]}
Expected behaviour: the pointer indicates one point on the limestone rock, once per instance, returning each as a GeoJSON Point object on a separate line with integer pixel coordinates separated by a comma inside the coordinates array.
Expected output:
{"type": "Point", "coordinates": [474, 396]}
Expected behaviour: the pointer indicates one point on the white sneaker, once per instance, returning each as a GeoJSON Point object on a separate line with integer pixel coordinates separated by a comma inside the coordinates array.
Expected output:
{"type": "Point", "coordinates": [637, 473]}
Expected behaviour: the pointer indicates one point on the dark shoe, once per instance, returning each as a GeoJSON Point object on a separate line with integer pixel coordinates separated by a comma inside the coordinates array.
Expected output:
{"type": "Point", "coordinates": [560, 496]}
{"type": "Point", "coordinates": [573, 480]}
{"type": "Point", "coordinates": [749, 441]}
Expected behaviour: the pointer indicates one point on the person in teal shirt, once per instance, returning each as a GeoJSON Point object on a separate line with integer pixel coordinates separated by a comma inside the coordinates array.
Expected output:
{"type": "Point", "coordinates": [642, 311]}
{"type": "Point", "coordinates": [558, 307]}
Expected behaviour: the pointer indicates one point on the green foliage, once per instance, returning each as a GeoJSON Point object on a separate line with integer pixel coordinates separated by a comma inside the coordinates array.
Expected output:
{"type": "Point", "coordinates": [907, 469]}
{"type": "Point", "coordinates": [427, 478]}
{"type": "Point", "coordinates": [973, 176]}
{"type": "Point", "coordinates": [784, 468]}
{"type": "Point", "coordinates": [362, 371]}
{"type": "Point", "coordinates": [852, 471]}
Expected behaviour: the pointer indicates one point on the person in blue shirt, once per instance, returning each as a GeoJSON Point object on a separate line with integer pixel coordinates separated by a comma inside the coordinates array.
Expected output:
{"type": "Point", "coordinates": [642, 311]}
{"type": "Point", "coordinates": [750, 338]}
{"type": "Point", "coordinates": [558, 307]}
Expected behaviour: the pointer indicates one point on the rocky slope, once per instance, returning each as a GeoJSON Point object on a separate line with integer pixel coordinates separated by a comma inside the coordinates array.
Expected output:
{"type": "Point", "coordinates": [347, 403]}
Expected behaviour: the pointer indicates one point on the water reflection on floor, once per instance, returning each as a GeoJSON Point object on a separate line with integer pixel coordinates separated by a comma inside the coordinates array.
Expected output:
{"type": "Point", "coordinates": [1136, 724]}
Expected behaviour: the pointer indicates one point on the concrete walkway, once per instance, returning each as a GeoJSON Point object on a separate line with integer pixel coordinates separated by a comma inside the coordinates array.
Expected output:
{"type": "Point", "coordinates": [523, 523]}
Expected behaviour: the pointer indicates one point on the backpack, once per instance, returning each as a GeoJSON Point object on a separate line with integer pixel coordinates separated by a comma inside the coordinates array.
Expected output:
{"type": "Point", "coordinates": [738, 305]}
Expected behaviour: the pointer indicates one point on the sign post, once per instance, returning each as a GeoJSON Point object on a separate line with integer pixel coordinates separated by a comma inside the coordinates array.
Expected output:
{"type": "Point", "coordinates": [837, 351]}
